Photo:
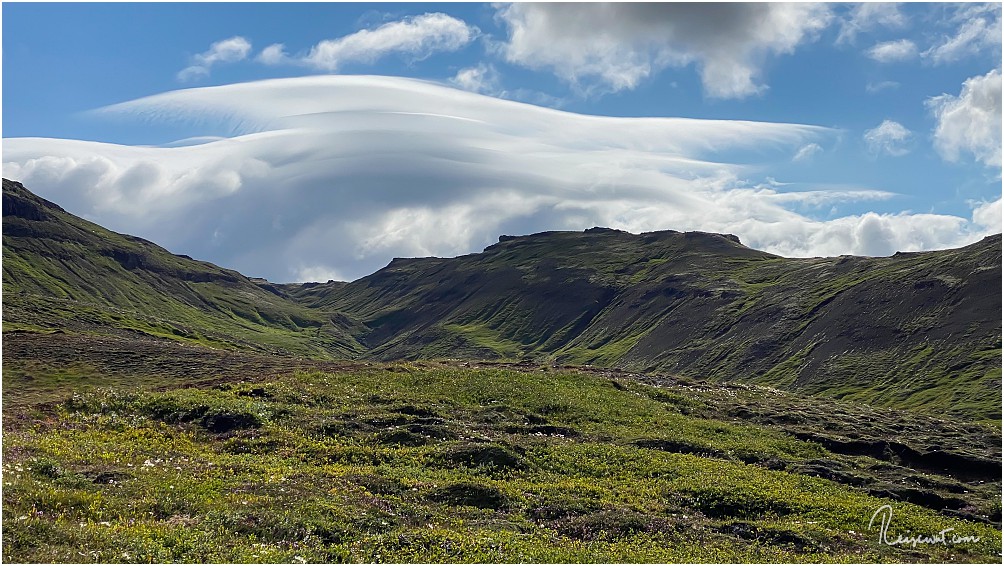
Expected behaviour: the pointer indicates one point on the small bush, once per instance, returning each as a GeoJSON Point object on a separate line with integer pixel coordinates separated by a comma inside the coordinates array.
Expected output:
{"type": "Point", "coordinates": [474, 455]}
{"type": "Point", "coordinates": [470, 494]}
{"type": "Point", "coordinates": [46, 468]}
{"type": "Point", "coordinates": [417, 411]}
{"type": "Point", "coordinates": [225, 421]}
{"type": "Point", "coordinates": [173, 410]}
{"type": "Point", "coordinates": [216, 414]}
{"type": "Point", "coordinates": [611, 524]}
{"type": "Point", "coordinates": [736, 503]}
{"type": "Point", "coordinates": [376, 484]}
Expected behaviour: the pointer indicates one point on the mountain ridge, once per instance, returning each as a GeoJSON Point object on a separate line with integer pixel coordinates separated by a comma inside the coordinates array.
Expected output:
{"type": "Point", "coordinates": [700, 305]}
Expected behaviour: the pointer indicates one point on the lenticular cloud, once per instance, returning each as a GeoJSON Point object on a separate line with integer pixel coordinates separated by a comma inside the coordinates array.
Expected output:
{"type": "Point", "coordinates": [333, 176]}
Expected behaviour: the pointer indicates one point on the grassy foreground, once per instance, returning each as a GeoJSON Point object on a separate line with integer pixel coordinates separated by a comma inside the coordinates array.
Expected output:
{"type": "Point", "coordinates": [437, 462]}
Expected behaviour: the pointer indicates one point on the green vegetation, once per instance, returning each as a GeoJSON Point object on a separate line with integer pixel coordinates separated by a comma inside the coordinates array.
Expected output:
{"type": "Point", "coordinates": [62, 272]}
{"type": "Point", "coordinates": [484, 338]}
{"type": "Point", "coordinates": [919, 331]}
{"type": "Point", "coordinates": [158, 408]}
{"type": "Point", "coordinates": [705, 306]}
{"type": "Point", "coordinates": [425, 462]}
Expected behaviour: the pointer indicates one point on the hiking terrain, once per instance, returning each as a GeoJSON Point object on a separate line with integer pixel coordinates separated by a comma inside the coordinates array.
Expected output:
{"type": "Point", "coordinates": [590, 396]}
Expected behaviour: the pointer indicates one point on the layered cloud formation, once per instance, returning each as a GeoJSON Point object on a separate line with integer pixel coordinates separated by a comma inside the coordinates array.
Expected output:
{"type": "Point", "coordinates": [332, 176]}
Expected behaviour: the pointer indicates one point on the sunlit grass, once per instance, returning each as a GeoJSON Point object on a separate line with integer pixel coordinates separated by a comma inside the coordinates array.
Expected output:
{"type": "Point", "coordinates": [422, 463]}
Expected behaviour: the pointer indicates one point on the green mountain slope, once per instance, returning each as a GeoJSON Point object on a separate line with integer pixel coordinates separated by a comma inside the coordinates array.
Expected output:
{"type": "Point", "coordinates": [63, 273]}
{"type": "Point", "coordinates": [916, 330]}
{"type": "Point", "coordinates": [130, 435]}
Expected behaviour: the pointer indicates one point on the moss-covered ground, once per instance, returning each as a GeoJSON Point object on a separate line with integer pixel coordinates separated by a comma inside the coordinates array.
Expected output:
{"type": "Point", "coordinates": [459, 462]}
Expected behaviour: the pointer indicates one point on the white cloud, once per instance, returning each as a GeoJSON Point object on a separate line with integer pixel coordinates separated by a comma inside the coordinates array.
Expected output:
{"type": "Point", "coordinates": [867, 16]}
{"type": "Point", "coordinates": [616, 46]}
{"type": "Point", "coordinates": [988, 215]}
{"type": "Point", "coordinates": [317, 274]}
{"type": "Point", "coordinates": [485, 79]}
{"type": "Point", "coordinates": [819, 198]}
{"type": "Point", "coordinates": [338, 174]}
{"type": "Point", "coordinates": [417, 36]}
{"type": "Point", "coordinates": [893, 51]}
{"type": "Point", "coordinates": [978, 30]}
{"type": "Point", "coordinates": [274, 54]}
{"type": "Point", "coordinates": [806, 152]}
{"type": "Point", "coordinates": [481, 78]}
{"type": "Point", "coordinates": [970, 122]}
{"type": "Point", "coordinates": [226, 51]}
{"type": "Point", "coordinates": [873, 88]}
{"type": "Point", "coordinates": [888, 137]}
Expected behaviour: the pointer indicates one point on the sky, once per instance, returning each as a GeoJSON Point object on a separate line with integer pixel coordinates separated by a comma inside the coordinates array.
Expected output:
{"type": "Point", "coordinates": [307, 142]}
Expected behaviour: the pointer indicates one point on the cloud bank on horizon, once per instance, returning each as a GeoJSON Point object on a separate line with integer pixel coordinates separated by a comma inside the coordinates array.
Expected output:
{"type": "Point", "coordinates": [332, 176]}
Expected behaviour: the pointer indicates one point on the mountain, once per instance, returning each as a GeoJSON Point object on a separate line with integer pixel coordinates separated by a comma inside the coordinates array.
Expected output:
{"type": "Point", "coordinates": [162, 409]}
{"type": "Point", "coordinates": [66, 274]}
{"type": "Point", "coordinates": [919, 331]}
{"type": "Point", "coordinates": [916, 330]}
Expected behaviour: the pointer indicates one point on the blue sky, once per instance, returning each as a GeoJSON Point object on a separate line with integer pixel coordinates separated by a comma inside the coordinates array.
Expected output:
{"type": "Point", "coordinates": [812, 129]}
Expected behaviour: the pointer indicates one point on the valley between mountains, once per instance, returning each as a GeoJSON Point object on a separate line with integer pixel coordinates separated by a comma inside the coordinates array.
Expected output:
{"type": "Point", "coordinates": [593, 396]}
